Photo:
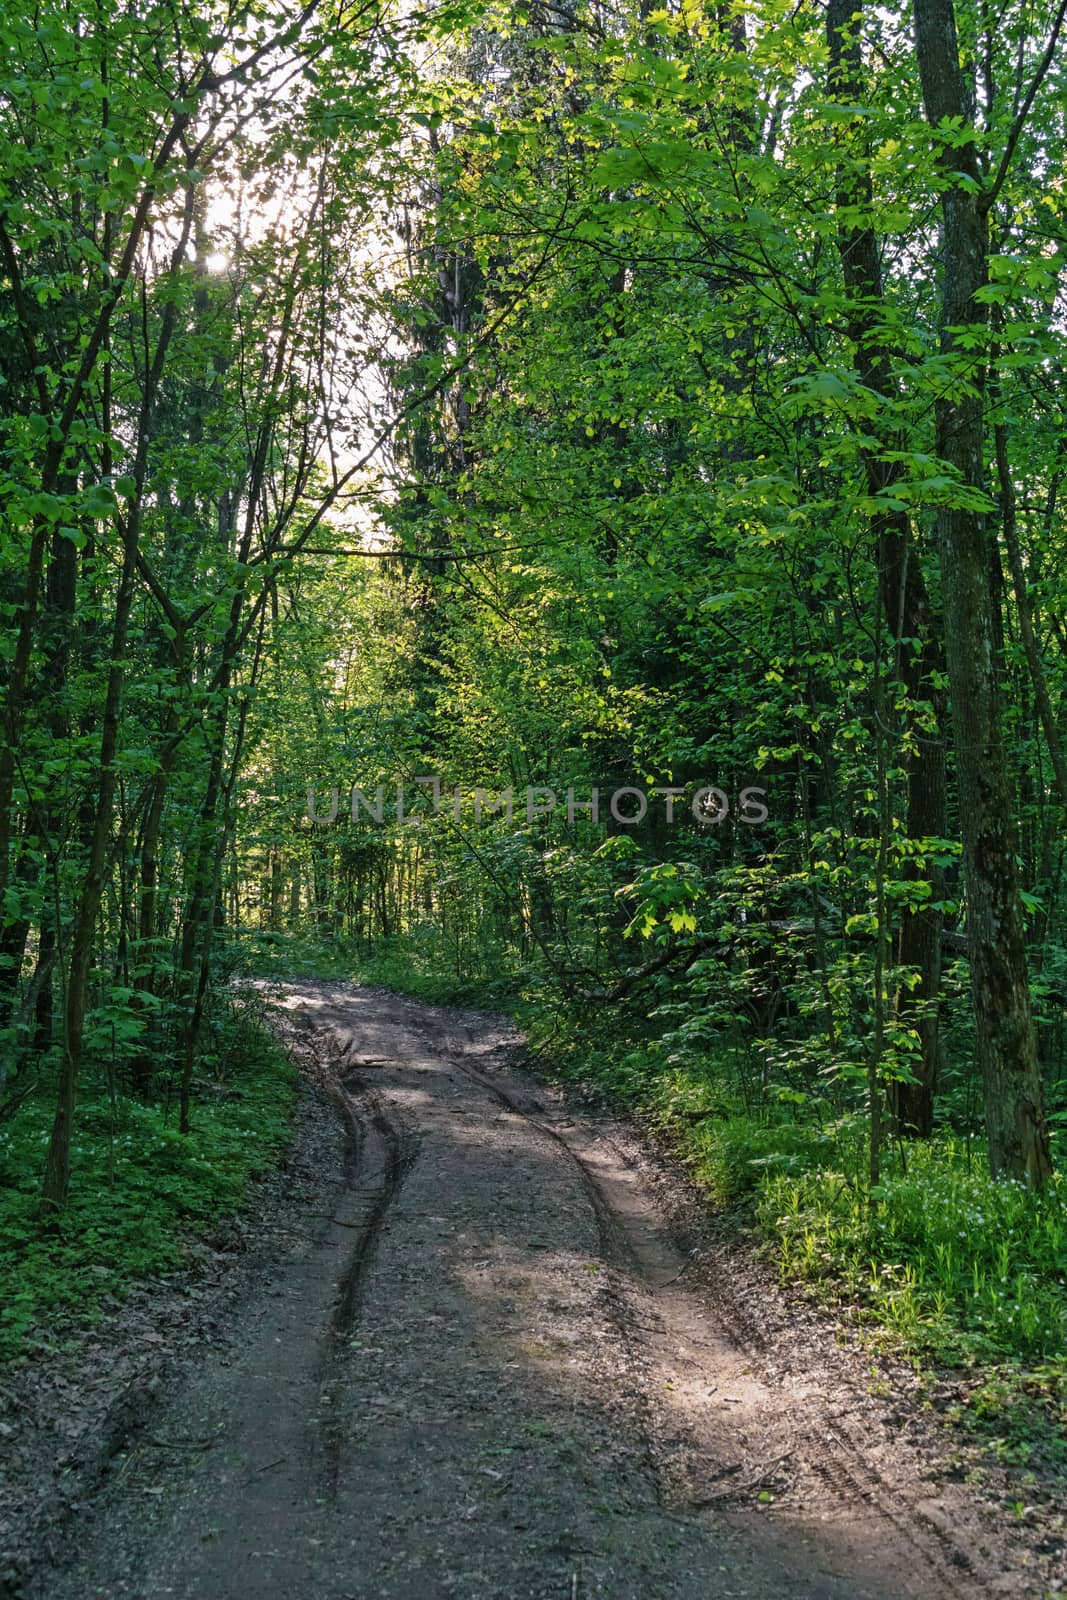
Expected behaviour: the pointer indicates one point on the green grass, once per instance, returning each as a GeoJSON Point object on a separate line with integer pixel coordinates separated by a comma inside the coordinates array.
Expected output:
{"type": "Point", "coordinates": [958, 1266]}
{"type": "Point", "coordinates": [409, 970]}
{"type": "Point", "coordinates": [260, 954]}
{"type": "Point", "coordinates": [140, 1192]}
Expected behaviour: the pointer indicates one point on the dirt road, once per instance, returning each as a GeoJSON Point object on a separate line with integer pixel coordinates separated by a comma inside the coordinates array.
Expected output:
{"type": "Point", "coordinates": [485, 1371]}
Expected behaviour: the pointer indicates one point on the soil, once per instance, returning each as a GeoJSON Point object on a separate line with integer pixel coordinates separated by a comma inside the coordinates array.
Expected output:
{"type": "Point", "coordinates": [481, 1345]}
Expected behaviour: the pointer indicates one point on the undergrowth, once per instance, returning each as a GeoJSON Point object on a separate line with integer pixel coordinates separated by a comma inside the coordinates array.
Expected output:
{"type": "Point", "coordinates": [139, 1190]}
{"type": "Point", "coordinates": [955, 1264]}
{"type": "Point", "coordinates": [409, 965]}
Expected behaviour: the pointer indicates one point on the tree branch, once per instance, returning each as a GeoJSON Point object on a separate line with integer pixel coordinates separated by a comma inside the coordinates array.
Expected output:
{"type": "Point", "coordinates": [988, 199]}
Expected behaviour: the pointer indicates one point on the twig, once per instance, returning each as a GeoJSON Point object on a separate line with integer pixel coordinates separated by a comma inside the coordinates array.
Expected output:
{"type": "Point", "coordinates": [989, 198]}
{"type": "Point", "coordinates": [260, 1470]}
{"type": "Point", "coordinates": [666, 1283]}
{"type": "Point", "coordinates": [181, 1444]}
{"type": "Point", "coordinates": [755, 1482]}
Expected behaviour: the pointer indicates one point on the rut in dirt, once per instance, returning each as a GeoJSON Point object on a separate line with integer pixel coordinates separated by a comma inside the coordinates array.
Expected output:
{"type": "Point", "coordinates": [487, 1370]}
{"type": "Point", "coordinates": [383, 1174]}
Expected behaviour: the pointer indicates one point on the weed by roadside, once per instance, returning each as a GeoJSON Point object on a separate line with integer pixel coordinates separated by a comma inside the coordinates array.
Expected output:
{"type": "Point", "coordinates": [140, 1192]}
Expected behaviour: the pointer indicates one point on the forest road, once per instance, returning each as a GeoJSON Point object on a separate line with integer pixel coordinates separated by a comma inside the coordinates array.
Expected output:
{"type": "Point", "coordinates": [486, 1372]}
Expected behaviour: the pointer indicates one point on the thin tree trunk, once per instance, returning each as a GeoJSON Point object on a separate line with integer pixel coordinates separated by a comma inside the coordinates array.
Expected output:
{"type": "Point", "coordinates": [57, 1165]}
{"type": "Point", "coordinates": [57, 1162]}
{"type": "Point", "coordinates": [1031, 648]}
{"type": "Point", "coordinates": [903, 599]}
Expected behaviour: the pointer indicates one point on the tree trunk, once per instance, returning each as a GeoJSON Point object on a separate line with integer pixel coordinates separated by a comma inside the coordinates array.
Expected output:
{"type": "Point", "coordinates": [57, 1165]}
{"type": "Point", "coordinates": [1015, 1122]}
{"type": "Point", "coordinates": [903, 598]}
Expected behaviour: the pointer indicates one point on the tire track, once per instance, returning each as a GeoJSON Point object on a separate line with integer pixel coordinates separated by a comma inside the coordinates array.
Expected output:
{"type": "Point", "coordinates": [396, 1151]}
{"type": "Point", "coordinates": [610, 1235]}
{"type": "Point", "coordinates": [379, 1155]}
{"type": "Point", "coordinates": [850, 1477]}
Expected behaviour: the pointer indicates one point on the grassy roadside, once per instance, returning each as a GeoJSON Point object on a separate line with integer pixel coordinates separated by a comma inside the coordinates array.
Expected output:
{"type": "Point", "coordinates": [140, 1192]}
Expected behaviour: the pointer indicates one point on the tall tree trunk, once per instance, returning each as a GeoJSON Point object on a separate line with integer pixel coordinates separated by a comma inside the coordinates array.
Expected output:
{"type": "Point", "coordinates": [57, 1165]}
{"type": "Point", "coordinates": [1007, 1057]}
{"type": "Point", "coordinates": [57, 1161]}
{"type": "Point", "coordinates": [59, 615]}
{"type": "Point", "coordinates": [193, 960]}
{"type": "Point", "coordinates": [903, 599]}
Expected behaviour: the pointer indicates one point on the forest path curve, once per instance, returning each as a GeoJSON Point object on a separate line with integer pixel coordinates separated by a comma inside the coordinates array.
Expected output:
{"type": "Point", "coordinates": [486, 1371]}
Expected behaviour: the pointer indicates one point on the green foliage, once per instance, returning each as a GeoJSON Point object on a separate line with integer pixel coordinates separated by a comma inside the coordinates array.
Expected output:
{"type": "Point", "coordinates": [418, 966]}
{"type": "Point", "coordinates": [142, 1192]}
{"type": "Point", "coordinates": [415, 964]}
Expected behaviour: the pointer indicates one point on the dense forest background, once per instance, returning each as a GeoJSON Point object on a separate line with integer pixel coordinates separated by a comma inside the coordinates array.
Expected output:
{"type": "Point", "coordinates": [545, 399]}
